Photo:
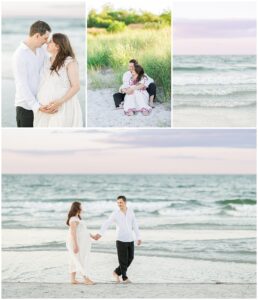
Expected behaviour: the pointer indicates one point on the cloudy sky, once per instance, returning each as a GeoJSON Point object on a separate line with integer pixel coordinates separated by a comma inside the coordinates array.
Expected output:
{"type": "Point", "coordinates": [40, 9]}
{"type": "Point", "coordinates": [209, 27]}
{"type": "Point", "coordinates": [129, 151]}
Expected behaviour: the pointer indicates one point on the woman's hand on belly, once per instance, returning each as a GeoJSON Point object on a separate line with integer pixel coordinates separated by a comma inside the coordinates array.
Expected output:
{"type": "Point", "coordinates": [44, 109]}
{"type": "Point", "coordinates": [55, 104]}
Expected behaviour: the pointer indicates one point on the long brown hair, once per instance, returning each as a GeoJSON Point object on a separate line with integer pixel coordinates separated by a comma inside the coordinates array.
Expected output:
{"type": "Point", "coordinates": [139, 71]}
{"type": "Point", "coordinates": [75, 208]}
{"type": "Point", "coordinates": [65, 50]}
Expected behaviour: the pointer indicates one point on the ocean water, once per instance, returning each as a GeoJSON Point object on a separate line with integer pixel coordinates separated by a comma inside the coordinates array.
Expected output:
{"type": "Point", "coordinates": [211, 217]}
{"type": "Point", "coordinates": [14, 30]}
{"type": "Point", "coordinates": [215, 81]}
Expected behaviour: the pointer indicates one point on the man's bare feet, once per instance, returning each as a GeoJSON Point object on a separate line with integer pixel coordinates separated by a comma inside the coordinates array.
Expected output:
{"type": "Point", "coordinates": [75, 282]}
{"type": "Point", "coordinates": [87, 281]}
{"type": "Point", "coordinates": [127, 281]}
{"type": "Point", "coordinates": [116, 277]}
{"type": "Point", "coordinates": [152, 105]}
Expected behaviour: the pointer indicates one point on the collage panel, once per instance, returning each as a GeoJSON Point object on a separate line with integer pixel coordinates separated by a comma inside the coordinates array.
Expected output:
{"type": "Point", "coordinates": [194, 205]}
{"type": "Point", "coordinates": [129, 64]}
{"type": "Point", "coordinates": [139, 179]}
{"type": "Point", "coordinates": [214, 74]}
{"type": "Point", "coordinates": [43, 55]}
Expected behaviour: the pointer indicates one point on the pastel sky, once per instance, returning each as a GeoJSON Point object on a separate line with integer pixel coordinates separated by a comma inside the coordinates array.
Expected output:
{"type": "Point", "coordinates": [40, 9]}
{"type": "Point", "coordinates": [129, 151]}
{"type": "Point", "coordinates": [150, 5]}
{"type": "Point", "coordinates": [208, 27]}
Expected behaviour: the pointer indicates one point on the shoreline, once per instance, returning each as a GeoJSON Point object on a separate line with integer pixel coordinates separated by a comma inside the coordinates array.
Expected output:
{"type": "Point", "coordinates": [214, 117]}
{"type": "Point", "coordinates": [134, 290]}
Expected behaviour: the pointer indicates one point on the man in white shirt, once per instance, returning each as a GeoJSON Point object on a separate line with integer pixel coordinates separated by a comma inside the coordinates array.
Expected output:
{"type": "Point", "coordinates": [126, 223]}
{"type": "Point", "coordinates": [151, 89]}
{"type": "Point", "coordinates": [28, 60]}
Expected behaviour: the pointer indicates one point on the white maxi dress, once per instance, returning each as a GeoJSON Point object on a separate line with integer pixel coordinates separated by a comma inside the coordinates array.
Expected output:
{"type": "Point", "coordinates": [54, 86]}
{"type": "Point", "coordinates": [138, 101]}
{"type": "Point", "coordinates": [79, 262]}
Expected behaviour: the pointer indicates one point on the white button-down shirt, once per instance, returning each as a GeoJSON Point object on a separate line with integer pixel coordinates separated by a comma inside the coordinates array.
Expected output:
{"type": "Point", "coordinates": [127, 78]}
{"type": "Point", "coordinates": [26, 67]}
{"type": "Point", "coordinates": [125, 225]}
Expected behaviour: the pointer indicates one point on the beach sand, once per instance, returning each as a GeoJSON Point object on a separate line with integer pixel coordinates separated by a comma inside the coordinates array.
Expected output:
{"type": "Point", "coordinates": [44, 274]}
{"type": "Point", "coordinates": [214, 117]}
{"type": "Point", "coordinates": [101, 112]}
{"type": "Point", "coordinates": [142, 290]}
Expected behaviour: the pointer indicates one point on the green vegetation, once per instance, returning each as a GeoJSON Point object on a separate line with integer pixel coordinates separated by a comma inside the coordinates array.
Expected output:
{"type": "Point", "coordinates": [107, 17]}
{"type": "Point", "coordinates": [115, 37]}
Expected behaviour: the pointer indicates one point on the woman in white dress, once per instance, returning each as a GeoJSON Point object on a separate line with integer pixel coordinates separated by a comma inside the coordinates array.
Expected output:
{"type": "Point", "coordinates": [59, 86]}
{"type": "Point", "coordinates": [78, 244]}
{"type": "Point", "coordinates": [137, 98]}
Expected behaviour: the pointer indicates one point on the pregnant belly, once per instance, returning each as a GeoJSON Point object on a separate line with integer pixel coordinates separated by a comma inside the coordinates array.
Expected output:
{"type": "Point", "coordinates": [49, 92]}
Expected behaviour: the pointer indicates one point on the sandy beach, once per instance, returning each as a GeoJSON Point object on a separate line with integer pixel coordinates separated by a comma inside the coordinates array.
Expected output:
{"type": "Point", "coordinates": [142, 290]}
{"type": "Point", "coordinates": [101, 112]}
{"type": "Point", "coordinates": [214, 117]}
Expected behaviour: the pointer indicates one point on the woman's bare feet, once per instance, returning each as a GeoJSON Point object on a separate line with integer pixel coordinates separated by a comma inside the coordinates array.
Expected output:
{"type": "Point", "coordinates": [75, 282]}
{"type": "Point", "coordinates": [145, 112]}
{"type": "Point", "coordinates": [87, 281]}
{"type": "Point", "coordinates": [130, 113]}
{"type": "Point", "coordinates": [116, 277]}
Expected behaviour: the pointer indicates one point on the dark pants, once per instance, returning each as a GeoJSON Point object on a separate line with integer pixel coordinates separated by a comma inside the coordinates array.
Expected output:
{"type": "Point", "coordinates": [24, 117]}
{"type": "Point", "coordinates": [119, 97]}
{"type": "Point", "coordinates": [125, 252]}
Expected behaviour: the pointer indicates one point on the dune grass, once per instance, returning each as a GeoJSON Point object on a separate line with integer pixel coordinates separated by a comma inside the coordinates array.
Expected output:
{"type": "Point", "coordinates": [152, 48]}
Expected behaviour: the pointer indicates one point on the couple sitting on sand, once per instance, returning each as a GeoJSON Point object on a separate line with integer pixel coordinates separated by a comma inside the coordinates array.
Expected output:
{"type": "Point", "coordinates": [79, 240]}
{"type": "Point", "coordinates": [137, 92]}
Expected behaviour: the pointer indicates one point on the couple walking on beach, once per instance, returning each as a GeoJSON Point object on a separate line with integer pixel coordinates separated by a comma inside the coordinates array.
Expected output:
{"type": "Point", "coordinates": [47, 80]}
{"type": "Point", "coordinates": [79, 240]}
{"type": "Point", "coordinates": [137, 92]}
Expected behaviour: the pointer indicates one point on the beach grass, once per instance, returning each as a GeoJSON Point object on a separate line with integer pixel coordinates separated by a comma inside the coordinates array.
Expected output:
{"type": "Point", "coordinates": [152, 48]}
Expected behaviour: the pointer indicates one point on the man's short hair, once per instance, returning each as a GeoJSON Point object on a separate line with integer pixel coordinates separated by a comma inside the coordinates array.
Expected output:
{"type": "Point", "coordinates": [133, 61]}
{"type": "Point", "coordinates": [121, 197]}
{"type": "Point", "coordinates": [39, 27]}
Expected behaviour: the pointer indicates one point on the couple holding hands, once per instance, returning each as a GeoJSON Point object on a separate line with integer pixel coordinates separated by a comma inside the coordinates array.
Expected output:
{"type": "Point", "coordinates": [79, 241]}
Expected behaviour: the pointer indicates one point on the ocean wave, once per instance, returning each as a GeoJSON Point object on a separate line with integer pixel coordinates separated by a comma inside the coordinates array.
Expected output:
{"type": "Point", "coordinates": [237, 201]}
{"type": "Point", "coordinates": [213, 69]}
{"type": "Point", "coordinates": [214, 92]}
{"type": "Point", "coordinates": [216, 79]}
{"type": "Point", "coordinates": [216, 105]}
{"type": "Point", "coordinates": [237, 250]}
{"type": "Point", "coordinates": [53, 246]}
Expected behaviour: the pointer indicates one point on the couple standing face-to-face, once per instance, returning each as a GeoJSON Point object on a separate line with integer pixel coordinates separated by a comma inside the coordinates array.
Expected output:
{"type": "Point", "coordinates": [41, 40]}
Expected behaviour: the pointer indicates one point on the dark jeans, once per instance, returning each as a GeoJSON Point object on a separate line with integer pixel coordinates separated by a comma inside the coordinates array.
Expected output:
{"type": "Point", "coordinates": [125, 252]}
{"type": "Point", "coordinates": [24, 117]}
{"type": "Point", "coordinates": [119, 97]}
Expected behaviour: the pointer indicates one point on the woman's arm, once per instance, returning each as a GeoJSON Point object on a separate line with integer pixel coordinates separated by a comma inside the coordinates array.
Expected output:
{"type": "Point", "coordinates": [73, 75]}
{"type": "Point", "coordinates": [73, 227]}
{"type": "Point", "coordinates": [138, 86]}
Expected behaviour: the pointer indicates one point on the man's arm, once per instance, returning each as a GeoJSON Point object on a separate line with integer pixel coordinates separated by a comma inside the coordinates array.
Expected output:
{"type": "Point", "coordinates": [126, 79]}
{"type": "Point", "coordinates": [21, 79]}
{"type": "Point", "coordinates": [105, 225]}
{"type": "Point", "coordinates": [136, 229]}
{"type": "Point", "coordinates": [149, 80]}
